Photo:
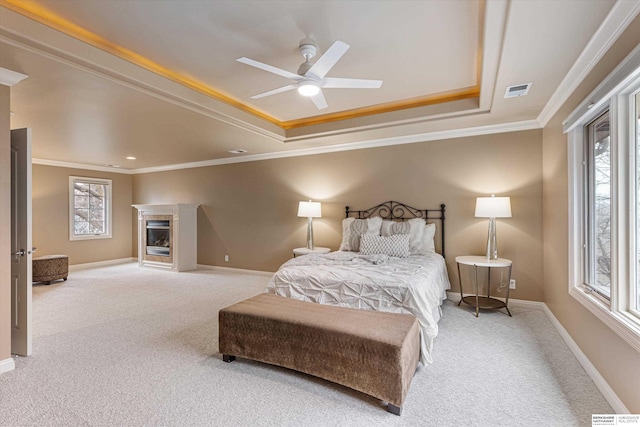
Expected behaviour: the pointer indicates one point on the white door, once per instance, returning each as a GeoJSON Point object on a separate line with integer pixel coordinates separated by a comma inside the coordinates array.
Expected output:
{"type": "Point", "coordinates": [21, 250]}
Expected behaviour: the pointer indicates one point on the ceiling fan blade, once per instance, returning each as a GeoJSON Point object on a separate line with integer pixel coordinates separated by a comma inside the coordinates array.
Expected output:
{"type": "Point", "coordinates": [269, 68]}
{"type": "Point", "coordinates": [335, 82]}
{"type": "Point", "coordinates": [274, 91]}
{"type": "Point", "coordinates": [319, 100]}
{"type": "Point", "coordinates": [328, 59]}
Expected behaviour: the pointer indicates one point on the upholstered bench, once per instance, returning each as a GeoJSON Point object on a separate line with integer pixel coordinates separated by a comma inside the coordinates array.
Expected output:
{"type": "Point", "coordinates": [49, 268]}
{"type": "Point", "coordinates": [373, 352]}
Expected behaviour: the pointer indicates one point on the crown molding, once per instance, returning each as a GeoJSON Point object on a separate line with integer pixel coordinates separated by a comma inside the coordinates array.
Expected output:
{"type": "Point", "coordinates": [619, 18]}
{"type": "Point", "coordinates": [383, 142]}
{"type": "Point", "coordinates": [82, 166]}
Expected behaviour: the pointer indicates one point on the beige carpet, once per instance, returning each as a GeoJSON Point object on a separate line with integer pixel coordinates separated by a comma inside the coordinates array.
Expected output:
{"type": "Point", "coordinates": [125, 346]}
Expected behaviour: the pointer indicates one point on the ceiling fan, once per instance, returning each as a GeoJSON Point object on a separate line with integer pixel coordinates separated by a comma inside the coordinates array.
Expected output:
{"type": "Point", "coordinates": [311, 77]}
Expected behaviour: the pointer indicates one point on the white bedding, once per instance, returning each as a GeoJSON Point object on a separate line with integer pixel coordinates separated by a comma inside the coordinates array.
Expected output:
{"type": "Point", "coordinates": [415, 285]}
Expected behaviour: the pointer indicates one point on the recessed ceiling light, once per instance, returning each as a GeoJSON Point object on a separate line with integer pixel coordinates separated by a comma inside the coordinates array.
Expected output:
{"type": "Point", "coordinates": [238, 151]}
{"type": "Point", "coordinates": [130, 158]}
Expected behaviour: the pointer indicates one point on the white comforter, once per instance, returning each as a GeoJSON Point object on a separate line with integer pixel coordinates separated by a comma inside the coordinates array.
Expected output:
{"type": "Point", "coordinates": [415, 285]}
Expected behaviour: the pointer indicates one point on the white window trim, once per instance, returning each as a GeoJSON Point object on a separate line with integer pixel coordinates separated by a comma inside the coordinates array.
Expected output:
{"type": "Point", "coordinates": [613, 93]}
{"type": "Point", "coordinates": [105, 235]}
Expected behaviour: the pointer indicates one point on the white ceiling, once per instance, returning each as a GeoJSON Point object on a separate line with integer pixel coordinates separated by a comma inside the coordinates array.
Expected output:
{"type": "Point", "coordinates": [160, 81]}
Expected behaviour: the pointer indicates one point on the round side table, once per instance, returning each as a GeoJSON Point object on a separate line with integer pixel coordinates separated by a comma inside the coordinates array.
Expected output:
{"type": "Point", "coordinates": [484, 302]}
{"type": "Point", "coordinates": [306, 251]}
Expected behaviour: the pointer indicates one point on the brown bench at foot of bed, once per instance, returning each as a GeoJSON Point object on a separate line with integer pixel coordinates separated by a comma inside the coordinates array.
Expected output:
{"type": "Point", "coordinates": [373, 352]}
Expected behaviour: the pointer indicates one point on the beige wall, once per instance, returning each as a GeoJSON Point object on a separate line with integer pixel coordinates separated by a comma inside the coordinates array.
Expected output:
{"type": "Point", "coordinates": [248, 210]}
{"type": "Point", "coordinates": [51, 216]}
{"type": "Point", "coordinates": [5, 225]}
{"type": "Point", "coordinates": [614, 359]}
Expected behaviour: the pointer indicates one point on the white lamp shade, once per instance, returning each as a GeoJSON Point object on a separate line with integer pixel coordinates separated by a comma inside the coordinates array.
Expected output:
{"type": "Point", "coordinates": [310, 209]}
{"type": "Point", "coordinates": [493, 207]}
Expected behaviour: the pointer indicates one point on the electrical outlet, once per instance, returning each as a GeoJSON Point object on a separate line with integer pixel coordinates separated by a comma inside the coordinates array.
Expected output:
{"type": "Point", "coordinates": [226, 258]}
{"type": "Point", "coordinates": [512, 284]}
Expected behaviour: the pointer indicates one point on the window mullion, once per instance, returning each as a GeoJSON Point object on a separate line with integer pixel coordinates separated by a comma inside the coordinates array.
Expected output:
{"type": "Point", "coordinates": [577, 200]}
{"type": "Point", "coordinates": [622, 282]}
{"type": "Point", "coordinates": [629, 205]}
{"type": "Point", "coordinates": [619, 137]}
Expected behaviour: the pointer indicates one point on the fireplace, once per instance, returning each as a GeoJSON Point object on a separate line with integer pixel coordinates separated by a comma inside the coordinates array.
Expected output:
{"type": "Point", "coordinates": [159, 237]}
{"type": "Point", "coordinates": [167, 236]}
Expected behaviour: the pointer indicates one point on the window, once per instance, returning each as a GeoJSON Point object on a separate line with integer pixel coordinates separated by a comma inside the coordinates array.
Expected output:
{"type": "Point", "coordinates": [598, 210]}
{"type": "Point", "coordinates": [89, 208]}
{"type": "Point", "coordinates": [604, 204]}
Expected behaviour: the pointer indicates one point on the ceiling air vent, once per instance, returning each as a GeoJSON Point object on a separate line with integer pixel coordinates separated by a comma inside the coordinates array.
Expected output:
{"type": "Point", "coordinates": [517, 90]}
{"type": "Point", "coordinates": [238, 151]}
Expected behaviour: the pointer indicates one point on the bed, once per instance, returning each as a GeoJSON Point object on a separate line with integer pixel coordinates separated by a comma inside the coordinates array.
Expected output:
{"type": "Point", "coordinates": [388, 261]}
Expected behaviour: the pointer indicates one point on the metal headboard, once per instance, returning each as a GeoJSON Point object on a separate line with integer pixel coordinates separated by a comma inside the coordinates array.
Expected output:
{"type": "Point", "coordinates": [396, 211]}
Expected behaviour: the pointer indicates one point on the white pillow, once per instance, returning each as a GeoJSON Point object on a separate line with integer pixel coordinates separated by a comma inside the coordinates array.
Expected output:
{"type": "Point", "coordinates": [428, 244]}
{"type": "Point", "coordinates": [396, 245]}
{"type": "Point", "coordinates": [414, 228]}
{"type": "Point", "coordinates": [346, 233]}
{"type": "Point", "coordinates": [353, 229]}
{"type": "Point", "coordinates": [416, 236]}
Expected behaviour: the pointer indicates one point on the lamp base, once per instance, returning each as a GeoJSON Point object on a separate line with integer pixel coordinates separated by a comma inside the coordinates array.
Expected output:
{"type": "Point", "coordinates": [492, 241]}
{"type": "Point", "coordinates": [310, 233]}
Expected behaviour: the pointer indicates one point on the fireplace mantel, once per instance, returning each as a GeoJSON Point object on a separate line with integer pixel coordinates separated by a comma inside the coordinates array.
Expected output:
{"type": "Point", "coordinates": [176, 224]}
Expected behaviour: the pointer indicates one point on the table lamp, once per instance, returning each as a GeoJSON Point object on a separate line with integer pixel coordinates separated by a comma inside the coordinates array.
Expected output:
{"type": "Point", "coordinates": [493, 207]}
{"type": "Point", "coordinates": [310, 210]}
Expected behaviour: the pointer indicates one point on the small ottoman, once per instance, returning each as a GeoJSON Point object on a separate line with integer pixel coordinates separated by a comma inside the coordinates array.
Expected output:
{"type": "Point", "coordinates": [49, 268]}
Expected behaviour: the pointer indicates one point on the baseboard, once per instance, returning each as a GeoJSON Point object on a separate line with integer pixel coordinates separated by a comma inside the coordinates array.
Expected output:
{"type": "Point", "coordinates": [7, 365]}
{"type": "Point", "coordinates": [598, 380]}
{"type": "Point", "coordinates": [455, 297]}
{"type": "Point", "coordinates": [101, 263]}
{"type": "Point", "coordinates": [236, 270]}
{"type": "Point", "coordinates": [200, 266]}
{"type": "Point", "coordinates": [591, 370]}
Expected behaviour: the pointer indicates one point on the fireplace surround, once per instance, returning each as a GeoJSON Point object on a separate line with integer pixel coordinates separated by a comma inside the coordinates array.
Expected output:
{"type": "Point", "coordinates": [167, 236]}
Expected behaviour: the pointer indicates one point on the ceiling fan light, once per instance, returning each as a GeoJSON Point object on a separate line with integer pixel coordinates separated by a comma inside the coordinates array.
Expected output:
{"type": "Point", "coordinates": [308, 89]}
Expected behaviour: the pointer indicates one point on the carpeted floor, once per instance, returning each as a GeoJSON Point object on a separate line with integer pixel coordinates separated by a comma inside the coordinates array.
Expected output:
{"type": "Point", "coordinates": [124, 346]}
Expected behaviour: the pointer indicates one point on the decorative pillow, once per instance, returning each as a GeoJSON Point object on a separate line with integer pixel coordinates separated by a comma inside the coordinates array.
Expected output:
{"type": "Point", "coordinates": [389, 228]}
{"type": "Point", "coordinates": [353, 229]}
{"type": "Point", "coordinates": [414, 228]}
{"type": "Point", "coordinates": [396, 245]}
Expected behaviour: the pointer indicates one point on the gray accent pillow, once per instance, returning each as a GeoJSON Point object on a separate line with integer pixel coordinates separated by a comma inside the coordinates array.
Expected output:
{"type": "Point", "coordinates": [396, 245]}
{"type": "Point", "coordinates": [353, 229]}
{"type": "Point", "coordinates": [414, 228]}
